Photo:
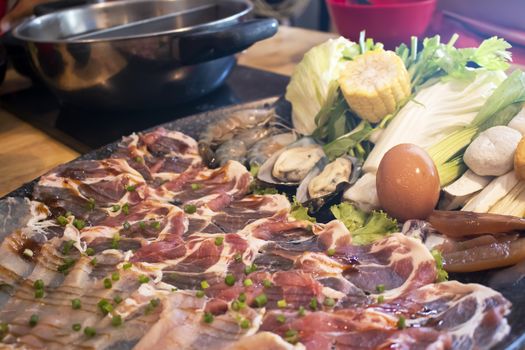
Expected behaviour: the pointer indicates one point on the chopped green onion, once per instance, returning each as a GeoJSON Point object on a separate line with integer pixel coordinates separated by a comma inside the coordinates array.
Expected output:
{"type": "Point", "coordinates": [91, 204]}
{"type": "Point", "coordinates": [107, 283]}
{"type": "Point", "coordinates": [301, 311]}
{"type": "Point", "coordinates": [229, 280]}
{"type": "Point", "coordinates": [79, 224]}
{"type": "Point", "coordinates": [39, 293]}
{"type": "Point", "coordinates": [33, 320]}
{"type": "Point", "coordinates": [62, 220]}
{"type": "Point", "coordinates": [236, 305]}
{"type": "Point", "coordinates": [143, 279]}
{"type": "Point", "coordinates": [247, 282]}
{"type": "Point", "coordinates": [238, 257]}
{"type": "Point", "coordinates": [190, 209]}
{"type": "Point", "coordinates": [125, 209]}
{"type": "Point", "coordinates": [131, 188]}
{"type": "Point", "coordinates": [116, 321]}
{"type": "Point", "coordinates": [261, 300]}
{"type": "Point", "coordinates": [90, 251]}
{"type": "Point", "coordinates": [142, 225]}
{"type": "Point", "coordinates": [76, 304]}
{"type": "Point", "coordinates": [219, 241]}
{"type": "Point", "coordinates": [291, 336]}
{"type": "Point", "coordinates": [205, 284]}
{"type": "Point", "coordinates": [115, 241]}
{"type": "Point", "coordinates": [329, 302]}
{"type": "Point", "coordinates": [126, 225]}
{"type": "Point", "coordinates": [155, 225]}
{"type": "Point", "coordinates": [208, 317]}
{"type": "Point", "coordinates": [330, 252]}
{"type": "Point", "coordinates": [115, 208]}
{"type": "Point", "coordinates": [380, 299]}
{"type": "Point", "coordinates": [67, 247]}
{"type": "Point", "coordinates": [199, 294]}
{"type": "Point", "coordinates": [117, 299]}
{"type": "Point", "coordinates": [250, 269]}
{"type": "Point", "coordinates": [282, 304]}
{"type": "Point", "coordinates": [76, 327]}
{"type": "Point", "coordinates": [68, 214]}
{"type": "Point", "coordinates": [242, 297]}
{"type": "Point", "coordinates": [127, 266]}
{"type": "Point", "coordinates": [68, 264]}
{"type": "Point", "coordinates": [281, 319]}
{"type": "Point", "coordinates": [138, 159]}
{"type": "Point", "coordinates": [90, 331]}
{"type": "Point", "coordinates": [267, 283]}
{"type": "Point", "coordinates": [196, 186]}
{"type": "Point", "coordinates": [401, 323]}
{"type": "Point", "coordinates": [115, 276]}
{"type": "Point", "coordinates": [153, 303]}
{"type": "Point", "coordinates": [313, 304]}
{"type": "Point", "coordinates": [38, 284]}
{"type": "Point", "coordinates": [380, 288]}
{"type": "Point", "coordinates": [94, 262]}
{"type": "Point", "coordinates": [245, 324]}
{"type": "Point", "coordinates": [105, 306]}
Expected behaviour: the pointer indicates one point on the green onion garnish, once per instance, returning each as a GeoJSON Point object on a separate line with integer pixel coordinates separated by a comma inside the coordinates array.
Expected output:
{"type": "Point", "coordinates": [301, 311]}
{"type": "Point", "coordinates": [330, 252]}
{"type": "Point", "coordinates": [94, 262]}
{"type": "Point", "coordinates": [199, 294]}
{"type": "Point", "coordinates": [155, 225]}
{"type": "Point", "coordinates": [130, 188]}
{"type": "Point", "coordinates": [242, 297]}
{"type": "Point", "coordinates": [142, 225]}
{"type": "Point", "coordinates": [401, 323]}
{"type": "Point", "coordinates": [126, 225]}
{"type": "Point", "coordinates": [33, 320]}
{"type": "Point", "coordinates": [79, 224]}
{"type": "Point", "coordinates": [250, 269]}
{"type": "Point", "coordinates": [115, 276]}
{"type": "Point", "coordinates": [329, 302]}
{"type": "Point", "coordinates": [91, 204]}
{"type": "Point", "coordinates": [90, 251]}
{"type": "Point", "coordinates": [282, 304]}
{"type": "Point", "coordinates": [238, 257]}
{"type": "Point", "coordinates": [380, 299]}
{"type": "Point", "coordinates": [205, 284]}
{"type": "Point", "coordinates": [380, 288]}
{"type": "Point", "coordinates": [208, 317]}
{"type": "Point", "coordinates": [76, 327]}
{"type": "Point", "coordinates": [38, 284]}
{"type": "Point", "coordinates": [127, 266]}
{"type": "Point", "coordinates": [281, 319]}
{"type": "Point", "coordinates": [219, 241]}
{"type": "Point", "coordinates": [190, 209]}
{"type": "Point", "coordinates": [115, 241]}
{"type": "Point", "coordinates": [116, 321]}
{"type": "Point", "coordinates": [115, 208]}
{"type": "Point", "coordinates": [245, 324]}
{"type": "Point", "coordinates": [247, 282]}
{"type": "Point", "coordinates": [313, 304]}
{"type": "Point", "coordinates": [143, 279]}
{"type": "Point", "coordinates": [39, 293]}
{"type": "Point", "coordinates": [62, 220]}
{"type": "Point", "coordinates": [291, 336]}
{"type": "Point", "coordinates": [261, 300]}
{"type": "Point", "coordinates": [75, 304]}
{"type": "Point", "coordinates": [267, 283]}
{"type": "Point", "coordinates": [67, 247]}
{"type": "Point", "coordinates": [107, 283]}
{"type": "Point", "coordinates": [229, 280]}
{"type": "Point", "coordinates": [90, 331]}
{"type": "Point", "coordinates": [236, 305]}
{"type": "Point", "coordinates": [196, 187]}
{"type": "Point", "coordinates": [125, 209]}
{"type": "Point", "coordinates": [117, 299]}
{"type": "Point", "coordinates": [105, 306]}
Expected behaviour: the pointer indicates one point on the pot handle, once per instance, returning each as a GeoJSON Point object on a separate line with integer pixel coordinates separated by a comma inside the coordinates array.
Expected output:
{"type": "Point", "coordinates": [225, 41]}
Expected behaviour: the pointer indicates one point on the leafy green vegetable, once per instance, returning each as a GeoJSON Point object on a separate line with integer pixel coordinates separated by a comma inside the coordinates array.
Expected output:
{"type": "Point", "coordinates": [442, 275]}
{"type": "Point", "coordinates": [299, 212]}
{"type": "Point", "coordinates": [310, 82]}
{"type": "Point", "coordinates": [438, 59]}
{"type": "Point", "coordinates": [350, 143]}
{"type": "Point", "coordinates": [352, 217]}
{"type": "Point", "coordinates": [364, 228]}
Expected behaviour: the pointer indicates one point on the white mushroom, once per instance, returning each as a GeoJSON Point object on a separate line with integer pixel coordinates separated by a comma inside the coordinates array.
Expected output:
{"type": "Point", "coordinates": [492, 152]}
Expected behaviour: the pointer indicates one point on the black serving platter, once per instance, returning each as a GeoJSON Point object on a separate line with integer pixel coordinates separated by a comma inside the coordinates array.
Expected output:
{"type": "Point", "coordinates": [192, 125]}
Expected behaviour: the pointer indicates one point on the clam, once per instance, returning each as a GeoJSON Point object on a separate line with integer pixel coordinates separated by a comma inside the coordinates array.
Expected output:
{"type": "Point", "coordinates": [326, 180]}
{"type": "Point", "coordinates": [291, 165]}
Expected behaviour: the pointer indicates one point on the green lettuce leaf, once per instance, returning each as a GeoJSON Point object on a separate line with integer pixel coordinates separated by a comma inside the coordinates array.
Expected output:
{"type": "Point", "coordinates": [299, 212]}
{"type": "Point", "coordinates": [364, 228]}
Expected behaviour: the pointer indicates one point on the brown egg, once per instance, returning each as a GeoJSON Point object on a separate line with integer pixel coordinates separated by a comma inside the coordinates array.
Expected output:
{"type": "Point", "coordinates": [407, 183]}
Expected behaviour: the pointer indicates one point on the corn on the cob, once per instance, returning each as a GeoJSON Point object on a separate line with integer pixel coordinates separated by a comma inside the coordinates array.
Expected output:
{"type": "Point", "coordinates": [374, 84]}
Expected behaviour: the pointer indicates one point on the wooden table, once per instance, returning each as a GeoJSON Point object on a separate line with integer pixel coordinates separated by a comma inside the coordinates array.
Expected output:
{"type": "Point", "coordinates": [26, 152]}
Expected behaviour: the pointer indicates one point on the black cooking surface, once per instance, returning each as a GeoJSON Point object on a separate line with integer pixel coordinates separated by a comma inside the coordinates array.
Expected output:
{"type": "Point", "coordinates": [84, 129]}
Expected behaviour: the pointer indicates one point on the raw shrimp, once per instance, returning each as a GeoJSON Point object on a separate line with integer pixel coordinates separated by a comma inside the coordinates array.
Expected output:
{"type": "Point", "coordinates": [227, 127]}
{"type": "Point", "coordinates": [237, 147]}
{"type": "Point", "coordinates": [265, 148]}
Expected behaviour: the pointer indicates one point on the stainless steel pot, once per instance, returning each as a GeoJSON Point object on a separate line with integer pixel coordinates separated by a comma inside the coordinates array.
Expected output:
{"type": "Point", "coordinates": [140, 54]}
